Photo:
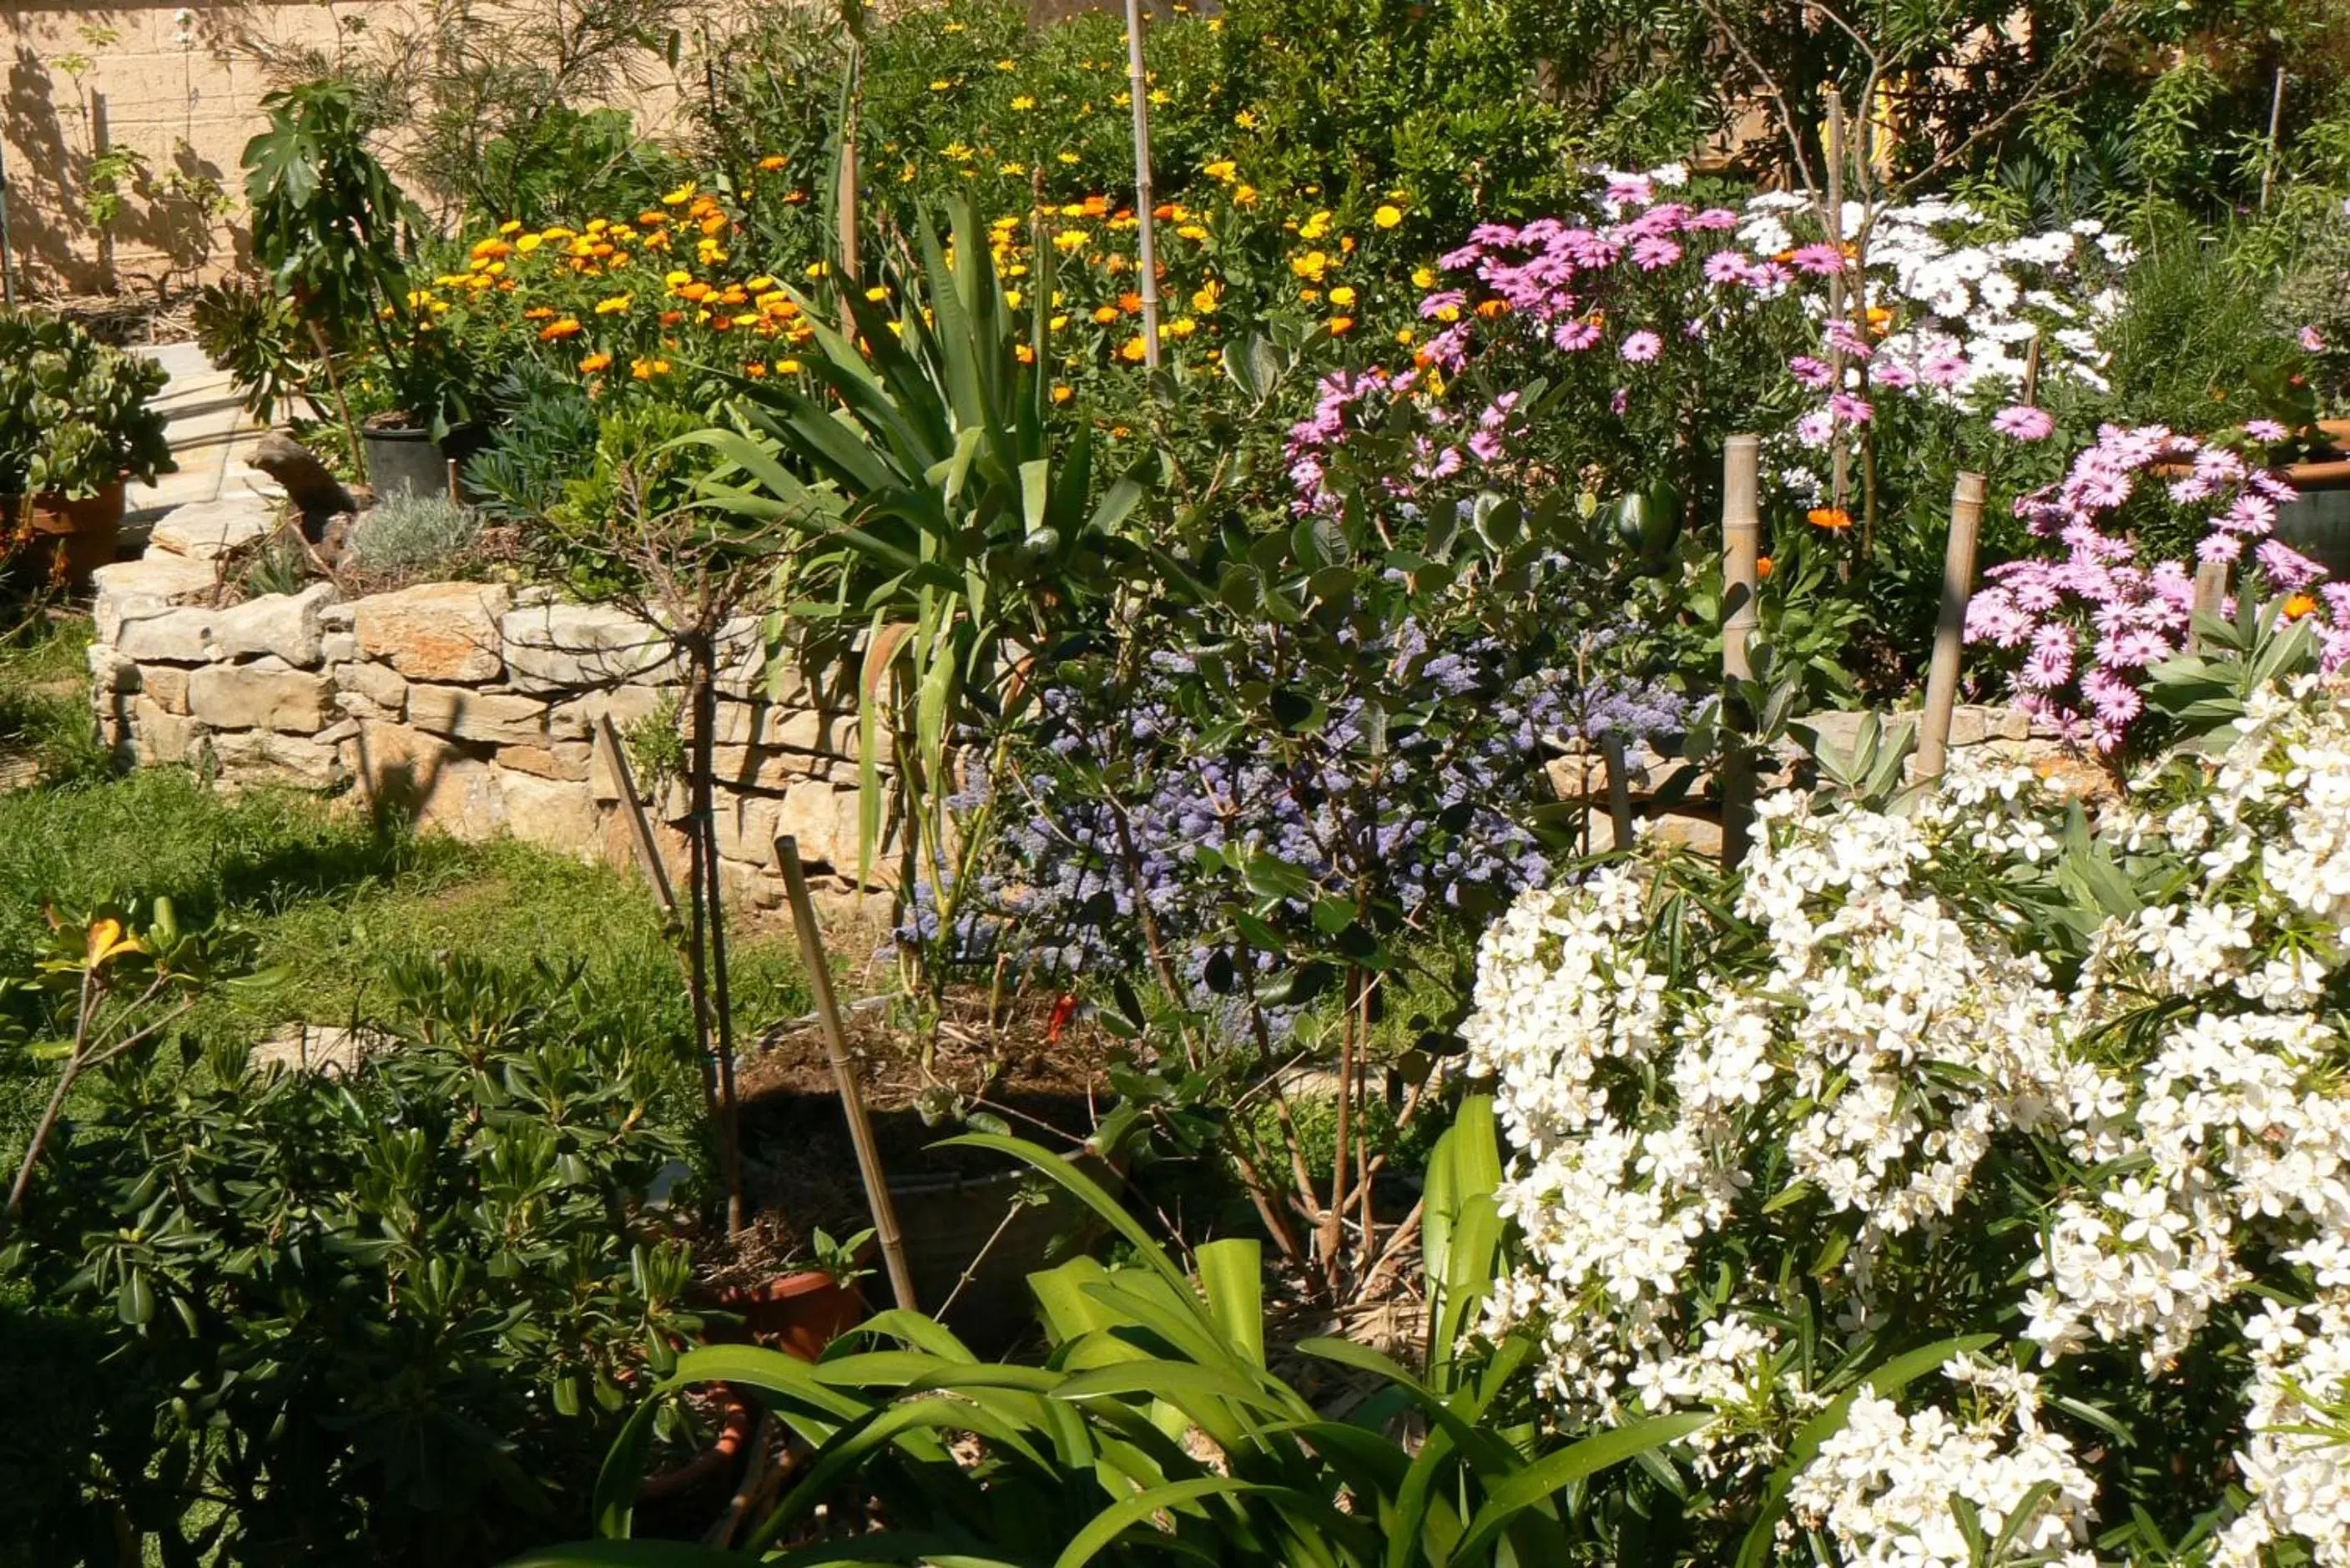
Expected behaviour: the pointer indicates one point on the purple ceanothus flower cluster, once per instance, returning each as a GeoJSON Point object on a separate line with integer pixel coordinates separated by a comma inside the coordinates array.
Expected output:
{"type": "Point", "coordinates": [1124, 789]}
{"type": "Point", "coordinates": [2090, 623]}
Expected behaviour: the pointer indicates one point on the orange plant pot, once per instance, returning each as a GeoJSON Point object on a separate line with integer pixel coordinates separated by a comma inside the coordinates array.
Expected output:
{"type": "Point", "coordinates": [86, 532]}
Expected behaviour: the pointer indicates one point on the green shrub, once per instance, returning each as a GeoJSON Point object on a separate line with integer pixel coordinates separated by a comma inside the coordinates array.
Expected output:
{"type": "Point", "coordinates": [414, 536]}
{"type": "Point", "coordinates": [383, 1317]}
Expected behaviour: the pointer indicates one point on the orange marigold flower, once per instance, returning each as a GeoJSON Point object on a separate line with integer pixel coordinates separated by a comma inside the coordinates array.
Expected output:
{"type": "Point", "coordinates": [1341, 325]}
{"type": "Point", "coordinates": [1134, 350]}
{"type": "Point", "coordinates": [1025, 353]}
{"type": "Point", "coordinates": [1129, 302]}
{"type": "Point", "coordinates": [1062, 394]}
{"type": "Point", "coordinates": [2298, 606]}
{"type": "Point", "coordinates": [1490, 308]}
{"type": "Point", "coordinates": [564, 326]}
{"type": "Point", "coordinates": [1105, 313]}
{"type": "Point", "coordinates": [756, 369]}
{"type": "Point", "coordinates": [1835, 519]}
{"type": "Point", "coordinates": [539, 313]}
{"type": "Point", "coordinates": [772, 162]}
{"type": "Point", "coordinates": [672, 317]}
{"type": "Point", "coordinates": [1761, 565]}
{"type": "Point", "coordinates": [599, 361]}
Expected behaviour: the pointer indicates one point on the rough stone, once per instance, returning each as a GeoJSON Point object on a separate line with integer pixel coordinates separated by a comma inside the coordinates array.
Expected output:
{"type": "Point", "coordinates": [318, 1048]}
{"type": "Point", "coordinates": [435, 631]}
{"type": "Point", "coordinates": [338, 647]}
{"type": "Point", "coordinates": [254, 756]}
{"type": "Point", "coordinates": [110, 671]}
{"type": "Point", "coordinates": [566, 646]}
{"type": "Point", "coordinates": [338, 617]}
{"type": "Point", "coordinates": [749, 768]}
{"type": "Point", "coordinates": [553, 814]}
{"type": "Point", "coordinates": [179, 636]}
{"type": "Point", "coordinates": [1700, 834]}
{"type": "Point", "coordinates": [824, 821]}
{"type": "Point", "coordinates": [207, 529]}
{"type": "Point", "coordinates": [1969, 725]}
{"type": "Point", "coordinates": [408, 775]}
{"type": "Point", "coordinates": [163, 736]}
{"type": "Point", "coordinates": [292, 702]}
{"type": "Point", "coordinates": [746, 829]}
{"type": "Point", "coordinates": [378, 683]}
{"type": "Point", "coordinates": [499, 718]}
{"type": "Point", "coordinates": [146, 586]}
{"type": "Point", "coordinates": [168, 686]}
{"type": "Point", "coordinates": [565, 759]}
{"type": "Point", "coordinates": [285, 625]}
{"type": "Point", "coordinates": [625, 705]}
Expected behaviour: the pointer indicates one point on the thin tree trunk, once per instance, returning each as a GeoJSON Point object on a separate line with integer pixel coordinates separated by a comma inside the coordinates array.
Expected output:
{"type": "Point", "coordinates": [710, 929]}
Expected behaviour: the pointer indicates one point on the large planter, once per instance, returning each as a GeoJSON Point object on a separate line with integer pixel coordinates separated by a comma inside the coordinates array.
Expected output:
{"type": "Point", "coordinates": [2317, 522]}
{"type": "Point", "coordinates": [84, 531]}
{"type": "Point", "coordinates": [404, 461]}
{"type": "Point", "coordinates": [801, 1313]}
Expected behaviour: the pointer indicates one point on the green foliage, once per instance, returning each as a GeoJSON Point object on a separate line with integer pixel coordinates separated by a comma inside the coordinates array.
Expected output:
{"type": "Point", "coordinates": [394, 1310]}
{"type": "Point", "coordinates": [334, 231]}
{"type": "Point", "coordinates": [558, 159]}
{"type": "Point", "coordinates": [544, 421]}
{"type": "Point", "coordinates": [44, 700]}
{"type": "Point", "coordinates": [1086, 1457]}
{"type": "Point", "coordinates": [279, 565]}
{"type": "Point", "coordinates": [254, 334]}
{"type": "Point", "coordinates": [415, 536]}
{"type": "Point", "coordinates": [942, 510]}
{"type": "Point", "coordinates": [74, 415]}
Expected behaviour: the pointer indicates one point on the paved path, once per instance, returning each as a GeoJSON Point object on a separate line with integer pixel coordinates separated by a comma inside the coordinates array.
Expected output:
{"type": "Point", "coordinates": [210, 431]}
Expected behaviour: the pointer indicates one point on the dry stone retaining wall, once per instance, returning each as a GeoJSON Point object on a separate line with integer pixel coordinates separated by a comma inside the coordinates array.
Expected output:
{"type": "Point", "coordinates": [473, 708]}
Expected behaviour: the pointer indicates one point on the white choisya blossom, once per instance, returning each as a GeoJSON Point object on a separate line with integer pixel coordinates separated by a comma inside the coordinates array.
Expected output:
{"type": "Point", "coordinates": [1856, 1063]}
{"type": "Point", "coordinates": [1884, 1483]}
{"type": "Point", "coordinates": [2297, 1463]}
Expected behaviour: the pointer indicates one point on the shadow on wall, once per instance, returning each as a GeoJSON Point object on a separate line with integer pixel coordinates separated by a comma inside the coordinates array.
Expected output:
{"type": "Point", "coordinates": [166, 225]}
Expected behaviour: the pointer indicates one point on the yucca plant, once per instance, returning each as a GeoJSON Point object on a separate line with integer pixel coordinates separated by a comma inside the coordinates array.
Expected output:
{"type": "Point", "coordinates": [936, 506]}
{"type": "Point", "coordinates": [1155, 1427]}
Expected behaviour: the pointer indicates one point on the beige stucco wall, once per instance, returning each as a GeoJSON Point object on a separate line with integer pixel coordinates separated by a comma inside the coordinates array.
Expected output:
{"type": "Point", "coordinates": [187, 106]}
{"type": "Point", "coordinates": [188, 97]}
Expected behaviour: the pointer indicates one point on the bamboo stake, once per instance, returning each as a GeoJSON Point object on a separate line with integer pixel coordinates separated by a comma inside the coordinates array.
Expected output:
{"type": "Point", "coordinates": [1949, 629]}
{"type": "Point", "coordinates": [102, 137]}
{"type": "Point", "coordinates": [1741, 537]}
{"type": "Point", "coordinates": [844, 1073]}
{"type": "Point", "coordinates": [640, 829]}
{"type": "Point", "coordinates": [1146, 240]}
{"type": "Point", "coordinates": [844, 193]}
{"type": "Point", "coordinates": [456, 489]}
{"type": "Point", "coordinates": [1840, 494]}
{"type": "Point", "coordinates": [2276, 122]}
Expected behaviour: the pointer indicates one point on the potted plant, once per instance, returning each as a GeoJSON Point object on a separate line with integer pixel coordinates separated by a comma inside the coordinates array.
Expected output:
{"type": "Point", "coordinates": [333, 228]}
{"type": "Point", "coordinates": [802, 1312]}
{"type": "Point", "coordinates": [75, 425]}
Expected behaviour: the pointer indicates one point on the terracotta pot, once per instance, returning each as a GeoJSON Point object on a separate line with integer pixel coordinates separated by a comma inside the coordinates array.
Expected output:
{"type": "Point", "coordinates": [719, 1458]}
{"type": "Point", "coordinates": [800, 1313]}
{"type": "Point", "coordinates": [86, 531]}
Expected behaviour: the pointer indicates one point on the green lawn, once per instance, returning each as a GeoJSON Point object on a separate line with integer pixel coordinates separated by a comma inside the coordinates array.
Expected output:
{"type": "Point", "coordinates": [324, 901]}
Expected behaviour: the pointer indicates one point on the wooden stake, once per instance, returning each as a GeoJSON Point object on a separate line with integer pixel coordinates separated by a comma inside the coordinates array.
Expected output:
{"type": "Point", "coordinates": [852, 273]}
{"type": "Point", "coordinates": [1146, 241]}
{"type": "Point", "coordinates": [844, 1073]}
{"type": "Point", "coordinates": [456, 490]}
{"type": "Point", "coordinates": [1949, 629]}
{"type": "Point", "coordinates": [1840, 487]}
{"type": "Point", "coordinates": [101, 138]}
{"type": "Point", "coordinates": [1741, 541]}
{"type": "Point", "coordinates": [640, 829]}
{"type": "Point", "coordinates": [2210, 597]}
{"type": "Point", "coordinates": [1619, 789]}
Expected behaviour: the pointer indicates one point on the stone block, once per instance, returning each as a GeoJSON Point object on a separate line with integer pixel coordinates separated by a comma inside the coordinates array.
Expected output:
{"type": "Point", "coordinates": [568, 647]}
{"type": "Point", "coordinates": [746, 828]}
{"type": "Point", "coordinates": [177, 635]}
{"type": "Point", "coordinates": [752, 768]}
{"type": "Point", "coordinates": [625, 705]}
{"type": "Point", "coordinates": [162, 735]}
{"type": "Point", "coordinates": [408, 775]}
{"type": "Point", "coordinates": [435, 631]}
{"type": "Point", "coordinates": [378, 683]}
{"type": "Point", "coordinates": [254, 756]}
{"type": "Point", "coordinates": [338, 647]}
{"type": "Point", "coordinates": [111, 670]}
{"type": "Point", "coordinates": [148, 586]}
{"type": "Point", "coordinates": [824, 821]}
{"type": "Point", "coordinates": [290, 702]}
{"type": "Point", "coordinates": [167, 684]}
{"type": "Point", "coordinates": [553, 814]}
{"type": "Point", "coordinates": [284, 625]}
{"type": "Point", "coordinates": [206, 530]}
{"type": "Point", "coordinates": [556, 759]}
{"type": "Point", "coordinates": [1969, 725]}
{"type": "Point", "coordinates": [499, 718]}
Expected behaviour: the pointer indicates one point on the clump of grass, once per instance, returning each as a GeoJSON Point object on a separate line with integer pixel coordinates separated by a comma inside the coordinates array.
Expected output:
{"type": "Point", "coordinates": [45, 710]}
{"type": "Point", "coordinates": [414, 536]}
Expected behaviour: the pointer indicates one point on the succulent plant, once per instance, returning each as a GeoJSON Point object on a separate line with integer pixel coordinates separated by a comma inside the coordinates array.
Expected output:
{"type": "Point", "coordinates": [74, 414]}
